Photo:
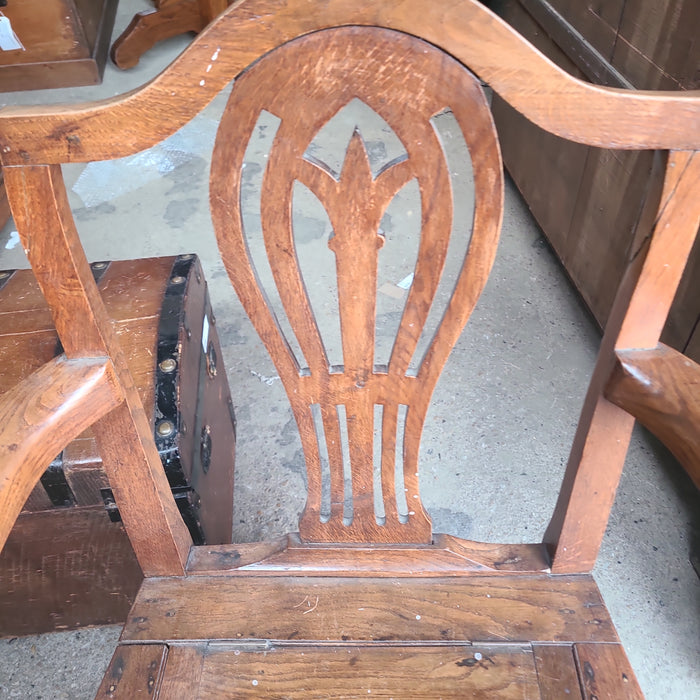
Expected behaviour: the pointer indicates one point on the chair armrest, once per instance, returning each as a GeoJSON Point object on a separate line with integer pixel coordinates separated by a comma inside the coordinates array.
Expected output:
{"type": "Point", "coordinates": [40, 416]}
{"type": "Point", "coordinates": [661, 389]}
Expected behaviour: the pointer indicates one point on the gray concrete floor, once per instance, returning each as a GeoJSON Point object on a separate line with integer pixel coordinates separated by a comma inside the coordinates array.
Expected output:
{"type": "Point", "coordinates": [503, 415]}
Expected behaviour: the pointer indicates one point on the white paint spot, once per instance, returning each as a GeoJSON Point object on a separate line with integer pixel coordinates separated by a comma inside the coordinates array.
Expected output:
{"type": "Point", "coordinates": [215, 55]}
{"type": "Point", "coordinates": [201, 83]}
{"type": "Point", "coordinates": [255, 682]}
{"type": "Point", "coordinates": [417, 617]}
{"type": "Point", "coordinates": [478, 656]}
{"type": "Point", "coordinates": [208, 68]}
{"type": "Point", "coordinates": [12, 241]}
{"type": "Point", "coordinates": [265, 380]}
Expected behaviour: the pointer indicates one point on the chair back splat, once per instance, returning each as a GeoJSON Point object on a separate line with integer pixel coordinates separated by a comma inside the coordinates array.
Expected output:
{"type": "Point", "coordinates": [304, 84]}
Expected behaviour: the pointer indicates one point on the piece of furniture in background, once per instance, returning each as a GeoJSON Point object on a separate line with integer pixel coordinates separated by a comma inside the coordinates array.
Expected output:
{"type": "Point", "coordinates": [169, 18]}
{"type": "Point", "coordinates": [68, 561]}
{"type": "Point", "coordinates": [365, 599]}
{"type": "Point", "coordinates": [66, 43]}
{"type": "Point", "coordinates": [588, 200]}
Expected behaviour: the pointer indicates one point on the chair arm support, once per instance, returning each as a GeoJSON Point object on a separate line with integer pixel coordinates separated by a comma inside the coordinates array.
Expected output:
{"type": "Point", "coordinates": [661, 389]}
{"type": "Point", "coordinates": [40, 416]}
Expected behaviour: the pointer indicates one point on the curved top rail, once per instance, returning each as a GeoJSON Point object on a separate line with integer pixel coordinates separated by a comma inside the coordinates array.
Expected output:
{"type": "Point", "coordinates": [531, 83]}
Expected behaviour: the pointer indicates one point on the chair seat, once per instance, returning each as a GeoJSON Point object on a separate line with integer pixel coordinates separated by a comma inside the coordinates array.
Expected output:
{"type": "Point", "coordinates": [477, 635]}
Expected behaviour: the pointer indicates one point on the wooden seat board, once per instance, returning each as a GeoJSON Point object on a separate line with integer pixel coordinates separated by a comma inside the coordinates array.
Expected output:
{"type": "Point", "coordinates": [135, 672]}
{"type": "Point", "coordinates": [605, 672]}
{"type": "Point", "coordinates": [480, 608]}
{"type": "Point", "coordinates": [556, 671]}
{"type": "Point", "coordinates": [384, 672]}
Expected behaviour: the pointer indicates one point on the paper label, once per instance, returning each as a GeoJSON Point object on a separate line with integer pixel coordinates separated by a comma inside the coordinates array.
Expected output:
{"type": "Point", "coordinates": [205, 333]}
{"type": "Point", "coordinates": [8, 39]}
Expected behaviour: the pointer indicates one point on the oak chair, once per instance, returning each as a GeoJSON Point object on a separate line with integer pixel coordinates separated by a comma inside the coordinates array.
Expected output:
{"type": "Point", "coordinates": [364, 600]}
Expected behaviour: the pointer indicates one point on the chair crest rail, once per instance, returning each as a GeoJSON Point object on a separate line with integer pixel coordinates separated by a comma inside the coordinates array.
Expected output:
{"type": "Point", "coordinates": [531, 83]}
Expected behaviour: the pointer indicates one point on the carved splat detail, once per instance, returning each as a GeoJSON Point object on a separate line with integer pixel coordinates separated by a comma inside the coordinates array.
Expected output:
{"type": "Point", "coordinates": [407, 82]}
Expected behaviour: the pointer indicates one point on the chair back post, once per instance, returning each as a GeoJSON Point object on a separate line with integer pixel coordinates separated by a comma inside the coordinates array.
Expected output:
{"type": "Point", "coordinates": [47, 232]}
{"type": "Point", "coordinates": [639, 313]}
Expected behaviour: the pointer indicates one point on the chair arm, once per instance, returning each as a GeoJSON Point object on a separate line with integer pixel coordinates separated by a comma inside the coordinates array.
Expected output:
{"type": "Point", "coordinates": [40, 416]}
{"type": "Point", "coordinates": [661, 389]}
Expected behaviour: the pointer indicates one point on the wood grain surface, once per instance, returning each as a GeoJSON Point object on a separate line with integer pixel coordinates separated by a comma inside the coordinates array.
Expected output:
{"type": "Point", "coordinates": [485, 608]}
{"type": "Point", "coordinates": [636, 321]}
{"type": "Point", "coordinates": [149, 27]}
{"type": "Point", "coordinates": [408, 672]}
{"type": "Point", "coordinates": [606, 673]}
{"type": "Point", "coordinates": [66, 568]}
{"type": "Point", "coordinates": [445, 556]}
{"type": "Point", "coordinates": [134, 672]}
{"type": "Point", "coordinates": [546, 94]}
{"type": "Point", "coordinates": [661, 389]}
{"type": "Point", "coordinates": [319, 75]}
{"type": "Point", "coordinates": [556, 672]}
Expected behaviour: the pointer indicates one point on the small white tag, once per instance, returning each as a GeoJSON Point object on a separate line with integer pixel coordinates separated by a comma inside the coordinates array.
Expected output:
{"type": "Point", "coordinates": [205, 333]}
{"type": "Point", "coordinates": [406, 282]}
{"type": "Point", "coordinates": [8, 39]}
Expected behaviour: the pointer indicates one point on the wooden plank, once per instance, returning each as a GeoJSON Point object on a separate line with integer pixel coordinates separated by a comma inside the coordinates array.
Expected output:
{"type": "Point", "coordinates": [447, 556]}
{"type": "Point", "coordinates": [556, 672]}
{"type": "Point", "coordinates": [570, 39]}
{"type": "Point", "coordinates": [533, 85]}
{"type": "Point", "coordinates": [661, 389]}
{"type": "Point", "coordinates": [479, 608]}
{"type": "Point", "coordinates": [657, 46]}
{"type": "Point", "coordinates": [406, 673]}
{"type": "Point", "coordinates": [134, 289]}
{"type": "Point", "coordinates": [605, 672]}
{"type": "Point", "coordinates": [64, 568]}
{"type": "Point", "coordinates": [604, 224]}
{"type": "Point", "coordinates": [134, 672]}
{"type": "Point", "coordinates": [598, 22]}
{"type": "Point", "coordinates": [183, 672]}
{"type": "Point", "coordinates": [23, 353]}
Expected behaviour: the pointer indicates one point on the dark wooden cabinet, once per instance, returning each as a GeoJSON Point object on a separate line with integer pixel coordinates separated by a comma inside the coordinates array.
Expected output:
{"type": "Point", "coordinates": [588, 200]}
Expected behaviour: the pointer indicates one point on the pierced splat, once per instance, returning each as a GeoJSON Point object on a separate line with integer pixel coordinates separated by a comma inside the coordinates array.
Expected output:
{"type": "Point", "coordinates": [309, 76]}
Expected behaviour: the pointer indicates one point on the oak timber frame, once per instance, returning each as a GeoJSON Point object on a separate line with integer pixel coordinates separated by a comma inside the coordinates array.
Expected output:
{"type": "Point", "coordinates": [91, 383]}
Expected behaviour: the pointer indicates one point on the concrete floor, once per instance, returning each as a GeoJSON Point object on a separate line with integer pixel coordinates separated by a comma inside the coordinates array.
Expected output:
{"type": "Point", "coordinates": [496, 439]}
